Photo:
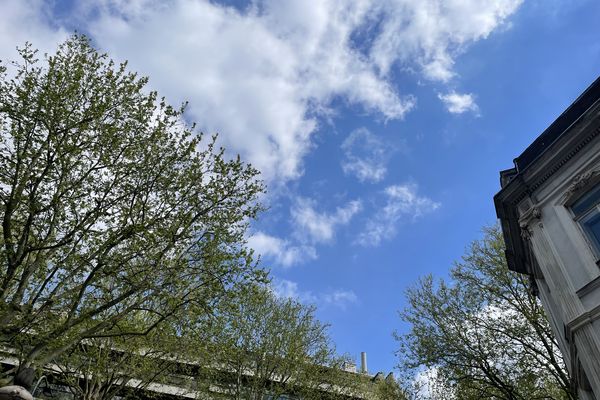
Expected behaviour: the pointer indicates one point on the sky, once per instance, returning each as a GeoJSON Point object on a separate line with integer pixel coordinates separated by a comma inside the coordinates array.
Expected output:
{"type": "Point", "coordinates": [379, 126]}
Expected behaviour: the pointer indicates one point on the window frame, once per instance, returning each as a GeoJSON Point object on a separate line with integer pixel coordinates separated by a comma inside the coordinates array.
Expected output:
{"type": "Point", "coordinates": [593, 212]}
{"type": "Point", "coordinates": [581, 217]}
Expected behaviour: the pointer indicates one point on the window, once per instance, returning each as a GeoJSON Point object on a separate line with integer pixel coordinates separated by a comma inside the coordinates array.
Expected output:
{"type": "Point", "coordinates": [587, 214]}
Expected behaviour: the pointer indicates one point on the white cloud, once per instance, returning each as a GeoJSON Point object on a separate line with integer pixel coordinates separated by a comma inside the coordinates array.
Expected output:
{"type": "Point", "coordinates": [402, 203]}
{"type": "Point", "coordinates": [280, 251]}
{"type": "Point", "coordinates": [317, 226]}
{"type": "Point", "coordinates": [262, 77]}
{"type": "Point", "coordinates": [27, 20]}
{"type": "Point", "coordinates": [366, 156]}
{"type": "Point", "coordinates": [457, 103]}
{"type": "Point", "coordinates": [288, 289]}
{"type": "Point", "coordinates": [257, 76]}
{"type": "Point", "coordinates": [431, 33]}
{"type": "Point", "coordinates": [339, 298]}
{"type": "Point", "coordinates": [309, 226]}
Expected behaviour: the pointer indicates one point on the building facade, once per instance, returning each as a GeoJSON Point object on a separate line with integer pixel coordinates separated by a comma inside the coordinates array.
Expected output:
{"type": "Point", "coordinates": [549, 208]}
{"type": "Point", "coordinates": [185, 382]}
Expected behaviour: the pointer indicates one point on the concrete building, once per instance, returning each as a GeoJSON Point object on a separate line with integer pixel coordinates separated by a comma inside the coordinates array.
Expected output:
{"type": "Point", "coordinates": [549, 208]}
{"type": "Point", "coordinates": [186, 383]}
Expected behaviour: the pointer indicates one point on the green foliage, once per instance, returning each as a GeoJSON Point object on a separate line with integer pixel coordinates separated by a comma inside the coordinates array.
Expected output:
{"type": "Point", "coordinates": [389, 389]}
{"type": "Point", "coordinates": [263, 345]}
{"type": "Point", "coordinates": [483, 334]}
{"type": "Point", "coordinates": [117, 217]}
{"type": "Point", "coordinates": [122, 253]}
{"type": "Point", "coordinates": [102, 368]}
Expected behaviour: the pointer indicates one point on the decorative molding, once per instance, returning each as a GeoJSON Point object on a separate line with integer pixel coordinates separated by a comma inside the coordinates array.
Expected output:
{"type": "Point", "coordinates": [533, 214]}
{"type": "Point", "coordinates": [581, 181]}
{"type": "Point", "coordinates": [583, 319]}
{"type": "Point", "coordinates": [579, 184]}
{"type": "Point", "coordinates": [589, 287]}
{"type": "Point", "coordinates": [565, 159]}
{"type": "Point", "coordinates": [571, 328]}
{"type": "Point", "coordinates": [557, 166]}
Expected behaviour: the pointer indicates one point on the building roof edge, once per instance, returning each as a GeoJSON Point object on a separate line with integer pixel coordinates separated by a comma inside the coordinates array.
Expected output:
{"type": "Point", "coordinates": [578, 108]}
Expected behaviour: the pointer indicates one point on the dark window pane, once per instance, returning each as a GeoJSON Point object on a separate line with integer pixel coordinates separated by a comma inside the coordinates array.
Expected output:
{"type": "Point", "coordinates": [592, 227]}
{"type": "Point", "coordinates": [587, 201]}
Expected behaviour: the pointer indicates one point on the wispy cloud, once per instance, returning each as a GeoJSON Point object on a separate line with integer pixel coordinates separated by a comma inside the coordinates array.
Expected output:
{"type": "Point", "coordinates": [289, 289]}
{"type": "Point", "coordinates": [317, 227]}
{"type": "Point", "coordinates": [338, 298]}
{"type": "Point", "coordinates": [431, 33]}
{"type": "Point", "coordinates": [402, 202]}
{"type": "Point", "coordinates": [310, 228]}
{"type": "Point", "coordinates": [457, 103]}
{"type": "Point", "coordinates": [281, 251]}
{"type": "Point", "coordinates": [365, 156]}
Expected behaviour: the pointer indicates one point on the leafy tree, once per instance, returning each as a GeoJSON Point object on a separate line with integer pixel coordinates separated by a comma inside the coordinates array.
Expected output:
{"type": "Point", "coordinates": [388, 389]}
{"type": "Point", "coordinates": [269, 346]}
{"type": "Point", "coordinates": [253, 345]}
{"type": "Point", "coordinates": [125, 367]}
{"type": "Point", "coordinates": [484, 333]}
{"type": "Point", "coordinates": [111, 205]}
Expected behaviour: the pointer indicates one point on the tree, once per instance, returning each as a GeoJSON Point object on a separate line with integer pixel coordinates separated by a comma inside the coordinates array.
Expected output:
{"type": "Point", "coordinates": [269, 346]}
{"type": "Point", "coordinates": [252, 345]}
{"type": "Point", "coordinates": [389, 389]}
{"type": "Point", "coordinates": [484, 334]}
{"type": "Point", "coordinates": [124, 367]}
{"type": "Point", "coordinates": [112, 206]}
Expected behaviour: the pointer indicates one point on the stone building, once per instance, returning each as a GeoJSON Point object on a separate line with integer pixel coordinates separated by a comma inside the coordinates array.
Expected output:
{"type": "Point", "coordinates": [549, 208]}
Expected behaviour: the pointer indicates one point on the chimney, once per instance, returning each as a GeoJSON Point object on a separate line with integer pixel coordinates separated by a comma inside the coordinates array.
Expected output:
{"type": "Point", "coordinates": [363, 362]}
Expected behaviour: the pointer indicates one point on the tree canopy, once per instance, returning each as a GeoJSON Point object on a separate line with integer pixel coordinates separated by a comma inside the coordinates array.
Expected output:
{"type": "Point", "coordinates": [252, 345]}
{"type": "Point", "coordinates": [114, 209]}
{"type": "Point", "coordinates": [481, 335]}
{"type": "Point", "coordinates": [262, 345]}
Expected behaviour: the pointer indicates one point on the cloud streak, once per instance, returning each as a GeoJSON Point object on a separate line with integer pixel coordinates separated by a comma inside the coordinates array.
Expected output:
{"type": "Point", "coordinates": [402, 203]}
{"type": "Point", "coordinates": [281, 251]}
{"type": "Point", "coordinates": [365, 156]}
{"type": "Point", "coordinates": [339, 298]}
{"type": "Point", "coordinates": [319, 227]}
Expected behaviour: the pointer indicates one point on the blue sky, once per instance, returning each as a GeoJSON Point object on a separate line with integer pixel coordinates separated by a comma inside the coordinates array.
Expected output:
{"type": "Point", "coordinates": [379, 125]}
